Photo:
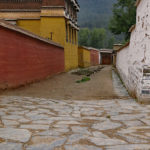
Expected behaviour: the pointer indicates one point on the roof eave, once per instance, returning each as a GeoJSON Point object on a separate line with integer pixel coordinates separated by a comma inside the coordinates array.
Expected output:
{"type": "Point", "coordinates": [137, 3]}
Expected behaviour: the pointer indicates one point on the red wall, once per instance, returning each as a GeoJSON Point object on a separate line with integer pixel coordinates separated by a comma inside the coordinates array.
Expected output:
{"type": "Point", "coordinates": [94, 57]}
{"type": "Point", "coordinates": [13, 4]}
{"type": "Point", "coordinates": [24, 59]}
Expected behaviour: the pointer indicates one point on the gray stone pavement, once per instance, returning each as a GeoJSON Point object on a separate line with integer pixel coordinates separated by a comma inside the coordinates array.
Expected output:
{"type": "Point", "coordinates": [43, 124]}
{"type": "Point", "coordinates": [119, 88]}
{"type": "Point", "coordinates": [28, 123]}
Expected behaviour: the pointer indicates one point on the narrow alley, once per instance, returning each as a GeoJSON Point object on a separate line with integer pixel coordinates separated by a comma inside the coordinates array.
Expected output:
{"type": "Point", "coordinates": [64, 86]}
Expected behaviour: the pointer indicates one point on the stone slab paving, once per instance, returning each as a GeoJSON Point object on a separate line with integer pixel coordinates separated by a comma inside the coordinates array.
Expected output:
{"type": "Point", "coordinates": [43, 124]}
{"type": "Point", "coordinates": [118, 86]}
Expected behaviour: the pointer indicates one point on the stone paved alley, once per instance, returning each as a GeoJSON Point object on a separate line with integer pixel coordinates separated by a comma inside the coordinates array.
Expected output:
{"type": "Point", "coordinates": [28, 123]}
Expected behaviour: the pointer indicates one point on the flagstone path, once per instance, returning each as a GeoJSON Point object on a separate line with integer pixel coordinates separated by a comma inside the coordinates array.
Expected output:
{"type": "Point", "coordinates": [43, 124]}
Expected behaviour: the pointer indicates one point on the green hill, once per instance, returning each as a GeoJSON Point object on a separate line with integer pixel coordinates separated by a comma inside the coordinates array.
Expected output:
{"type": "Point", "coordinates": [95, 13]}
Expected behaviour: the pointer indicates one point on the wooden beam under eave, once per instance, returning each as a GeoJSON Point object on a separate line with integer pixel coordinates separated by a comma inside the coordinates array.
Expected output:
{"type": "Point", "coordinates": [137, 2]}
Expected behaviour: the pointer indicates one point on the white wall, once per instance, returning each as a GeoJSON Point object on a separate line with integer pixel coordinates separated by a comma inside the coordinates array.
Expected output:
{"type": "Point", "coordinates": [99, 58]}
{"type": "Point", "coordinates": [122, 64]}
{"type": "Point", "coordinates": [138, 53]}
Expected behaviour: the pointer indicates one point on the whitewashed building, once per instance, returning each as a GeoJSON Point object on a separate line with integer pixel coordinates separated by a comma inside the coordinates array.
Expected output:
{"type": "Point", "coordinates": [133, 60]}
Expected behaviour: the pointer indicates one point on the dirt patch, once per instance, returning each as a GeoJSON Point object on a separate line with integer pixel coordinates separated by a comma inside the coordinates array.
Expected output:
{"type": "Point", "coordinates": [64, 86]}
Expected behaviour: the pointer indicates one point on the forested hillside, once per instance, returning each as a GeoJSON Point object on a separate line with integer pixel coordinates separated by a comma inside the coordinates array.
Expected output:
{"type": "Point", "coordinates": [95, 13]}
{"type": "Point", "coordinates": [94, 18]}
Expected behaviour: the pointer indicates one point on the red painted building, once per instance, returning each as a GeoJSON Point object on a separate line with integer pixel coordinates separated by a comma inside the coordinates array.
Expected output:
{"type": "Point", "coordinates": [95, 57]}
{"type": "Point", "coordinates": [25, 57]}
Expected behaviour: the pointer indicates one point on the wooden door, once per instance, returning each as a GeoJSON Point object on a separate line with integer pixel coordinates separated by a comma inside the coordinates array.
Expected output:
{"type": "Point", "coordinates": [106, 59]}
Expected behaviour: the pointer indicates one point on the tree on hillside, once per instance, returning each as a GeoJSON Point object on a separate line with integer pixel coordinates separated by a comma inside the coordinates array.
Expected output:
{"type": "Point", "coordinates": [111, 42]}
{"type": "Point", "coordinates": [124, 16]}
{"type": "Point", "coordinates": [97, 37]}
{"type": "Point", "coordinates": [84, 35]}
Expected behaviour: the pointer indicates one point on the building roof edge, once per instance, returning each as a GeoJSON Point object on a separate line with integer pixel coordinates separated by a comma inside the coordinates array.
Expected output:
{"type": "Point", "coordinates": [132, 28]}
{"type": "Point", "coordinates": [124, 46]}
{"type": "Point", "coordinates": [137, 3]}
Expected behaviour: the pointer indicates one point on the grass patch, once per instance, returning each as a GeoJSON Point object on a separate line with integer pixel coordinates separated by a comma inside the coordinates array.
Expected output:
{"type": "Point", "coordinates": [84, 79]}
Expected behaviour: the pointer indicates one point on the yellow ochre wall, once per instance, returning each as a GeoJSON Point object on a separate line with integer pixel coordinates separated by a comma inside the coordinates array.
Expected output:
{"type": "Point", "coordinates": [84, 57]}
{"type": "Point", "coordinates": [71, 49]}
{"type": "Point", "coordinates": [56, 26]}
{"type": "Point", "coordinates": [30, 25]}
{"type": "Point", "coordinates": [71, 56]}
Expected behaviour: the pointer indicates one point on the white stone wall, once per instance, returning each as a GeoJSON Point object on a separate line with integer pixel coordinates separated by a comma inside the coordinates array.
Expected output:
{"type": "Point", "coordinates": [122, 62]}
{"type": "Point", "coordinates": [137, 54]}
{"type": "Point", "coordinates": [99, 58]}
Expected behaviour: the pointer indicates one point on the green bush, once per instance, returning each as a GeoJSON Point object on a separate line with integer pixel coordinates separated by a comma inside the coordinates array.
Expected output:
{"type": "Point", "coordinates": [84, 79]}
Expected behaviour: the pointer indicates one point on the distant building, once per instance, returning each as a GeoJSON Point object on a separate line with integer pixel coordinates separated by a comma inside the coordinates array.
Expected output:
{"type": "Point", "coordinates": [117, 46]}
{"type": "Point", "coordinates": [52, 19]}
{"type": "Point", "coordinates": [88, 56]}
{"type": "Point", "coordinates": [95, 56]}
{"type": "Point", "coordinates": [106, 56]}
{"type": "Point", "coordinates": [84, 55]}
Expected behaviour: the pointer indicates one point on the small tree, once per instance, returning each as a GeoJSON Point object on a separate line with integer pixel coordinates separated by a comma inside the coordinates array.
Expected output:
{"type": "Point", "coordinates": [124, 16]}
{"type": "Point", "coordinates": [111, 41]}
{"type": "Point", "coordinates": [97, 38]}
{"type": "Point", "coordinates": [84, 37]}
